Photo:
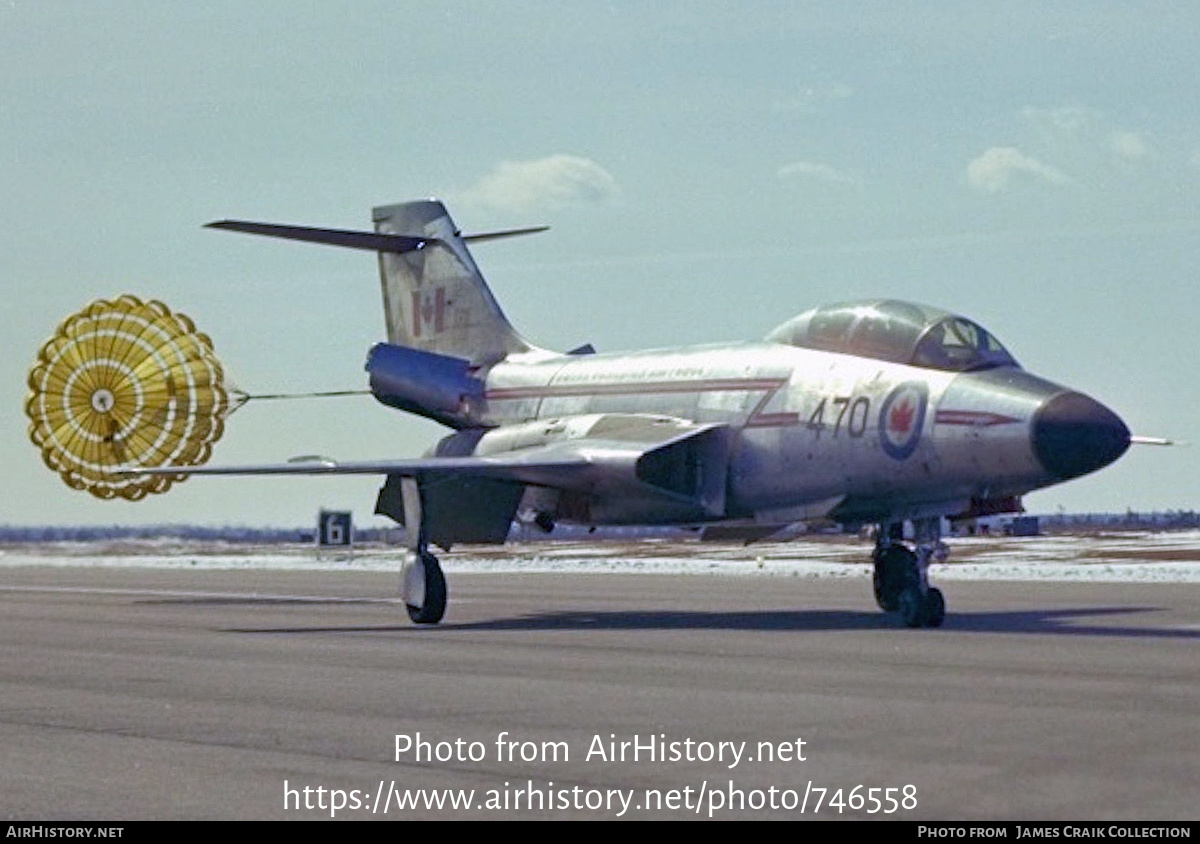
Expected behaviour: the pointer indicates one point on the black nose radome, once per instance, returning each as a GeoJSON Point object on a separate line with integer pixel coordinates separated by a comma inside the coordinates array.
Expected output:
{"type": "Point", "coordinates": [1074, 435]}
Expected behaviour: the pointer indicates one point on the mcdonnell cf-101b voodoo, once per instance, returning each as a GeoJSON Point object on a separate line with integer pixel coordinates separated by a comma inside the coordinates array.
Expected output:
{"type": "Point", "coordinates": [873, 412]}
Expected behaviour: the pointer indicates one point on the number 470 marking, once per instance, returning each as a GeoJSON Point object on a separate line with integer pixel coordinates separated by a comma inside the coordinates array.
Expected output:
{"type": "Point", "coordinates": [852, 413]}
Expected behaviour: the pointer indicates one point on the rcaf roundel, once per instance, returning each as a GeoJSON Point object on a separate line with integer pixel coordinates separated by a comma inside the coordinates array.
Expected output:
{"type": "Point", "coordinates": [901, 419]}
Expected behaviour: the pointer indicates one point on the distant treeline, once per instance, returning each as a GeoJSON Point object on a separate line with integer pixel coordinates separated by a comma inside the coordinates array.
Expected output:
{"type": "Point", "coordinates": [1129, 520]}
{"type": "Point", "coordinates": [1052, 523]}
{"type": "Point", "coordinates": [251, 535]}
{"type": "Point", "coordinates": [13, 534]}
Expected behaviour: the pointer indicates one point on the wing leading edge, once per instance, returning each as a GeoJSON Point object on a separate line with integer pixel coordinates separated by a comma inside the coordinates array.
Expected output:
{"type": "Point", "coordinates": [595, 469]}
{"type": "Point", "coordinates": [542, 469]}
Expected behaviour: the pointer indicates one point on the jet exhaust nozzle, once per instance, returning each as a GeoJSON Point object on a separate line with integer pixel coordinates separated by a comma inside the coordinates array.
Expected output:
{"type": "Point", "coordinates": [437, 386]}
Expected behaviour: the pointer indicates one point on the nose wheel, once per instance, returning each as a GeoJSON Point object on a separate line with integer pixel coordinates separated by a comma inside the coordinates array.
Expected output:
{"type": "Point", "coordinates": [895, 567]}
{"type": "Point", "coordinates": [901, 575]}
{"type": "Point", "coordinates": [917, 610]}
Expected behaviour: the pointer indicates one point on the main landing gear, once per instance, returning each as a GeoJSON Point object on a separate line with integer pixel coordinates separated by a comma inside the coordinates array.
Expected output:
{"type": "Point", "coordinates": [901, 577]}
{"type": "Point", "coordinates": [422, 584]}
{"type": "Point", "coordinates": [424, 587]}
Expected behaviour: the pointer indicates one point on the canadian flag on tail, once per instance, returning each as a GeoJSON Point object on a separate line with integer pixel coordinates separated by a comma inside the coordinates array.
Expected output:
{"type": "Point", "coordinates": [428, 311]}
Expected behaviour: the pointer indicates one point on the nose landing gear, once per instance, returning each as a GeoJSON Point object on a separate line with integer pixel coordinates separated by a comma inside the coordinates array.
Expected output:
{"type": "Point", "coordinates": [901, 575]}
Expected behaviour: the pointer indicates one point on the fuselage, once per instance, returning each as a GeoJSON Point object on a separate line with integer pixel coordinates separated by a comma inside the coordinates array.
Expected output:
{"type": "Point", "coordinates": [860, 438]}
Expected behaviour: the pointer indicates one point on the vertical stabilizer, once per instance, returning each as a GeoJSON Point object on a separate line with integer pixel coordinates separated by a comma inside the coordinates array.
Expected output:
{"type": "Point", "coordinates": [434, 298]}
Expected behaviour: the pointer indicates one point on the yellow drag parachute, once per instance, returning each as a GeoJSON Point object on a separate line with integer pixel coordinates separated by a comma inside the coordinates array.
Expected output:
{"type": "Point", "coordinates": [123, 384]}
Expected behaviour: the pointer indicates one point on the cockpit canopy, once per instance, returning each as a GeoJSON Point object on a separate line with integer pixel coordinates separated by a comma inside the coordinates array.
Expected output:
{"type": "Point", "coordinates": [901, 332]}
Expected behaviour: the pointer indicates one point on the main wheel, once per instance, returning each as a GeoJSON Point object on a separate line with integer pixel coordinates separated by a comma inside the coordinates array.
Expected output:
{"type": "Point", "coordinates": [434, 605]}
{"type": "Point", "coordinates": [895, 568]}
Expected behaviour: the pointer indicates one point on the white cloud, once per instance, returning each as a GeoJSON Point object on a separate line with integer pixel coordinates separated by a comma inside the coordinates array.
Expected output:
{"type": "Point", "coordinates": [1087, 138]}
{"type": "Point", "coordinates": [819, 172]}
{"type": "Point", "coordinates": [550, 182]}
{"type": "Point", "coordinates": [1129, 145]}
{"type": "Point", "coordinates": [998, 167]}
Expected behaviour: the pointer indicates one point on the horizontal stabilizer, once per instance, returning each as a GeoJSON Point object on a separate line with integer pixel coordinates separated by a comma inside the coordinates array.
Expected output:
{"type": "Point", "coordinates": [482, 236]}
{"type": "Point", "coordinates": [371, 241]}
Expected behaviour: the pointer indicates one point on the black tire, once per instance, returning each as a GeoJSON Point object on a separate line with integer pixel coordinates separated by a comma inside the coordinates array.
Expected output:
{"type": "Point", "coordinates": [912, 606]}
{"type": "Point", "coordinates": [895, 568]}
{"type": "Point", "coordinates": [435, 593]}
{"type": "Point", "coordinates": [935, 607]}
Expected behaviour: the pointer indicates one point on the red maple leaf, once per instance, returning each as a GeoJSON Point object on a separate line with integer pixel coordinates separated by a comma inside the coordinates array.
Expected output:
{"type": "Point", "coordinates": [900, 420]}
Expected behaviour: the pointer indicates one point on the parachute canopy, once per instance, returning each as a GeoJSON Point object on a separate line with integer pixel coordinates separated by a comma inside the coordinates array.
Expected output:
{"type": "Point", "coordinates": [123, 384]}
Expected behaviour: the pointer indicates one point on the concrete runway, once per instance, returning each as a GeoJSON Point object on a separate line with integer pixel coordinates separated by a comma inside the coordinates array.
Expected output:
{"type": "Point", "coordinates": [147, 694]}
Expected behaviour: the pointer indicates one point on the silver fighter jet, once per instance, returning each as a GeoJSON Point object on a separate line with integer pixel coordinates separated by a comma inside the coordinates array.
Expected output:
{"type": "Point", "coordinates": [872, 412]}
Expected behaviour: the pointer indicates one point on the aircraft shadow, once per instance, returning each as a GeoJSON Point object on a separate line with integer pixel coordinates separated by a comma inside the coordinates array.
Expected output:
{"type": "Point", "coordinates": [1046, 622]}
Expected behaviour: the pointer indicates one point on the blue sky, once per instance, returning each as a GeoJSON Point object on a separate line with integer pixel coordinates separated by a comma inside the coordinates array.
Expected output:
{"type": "Point", "coordinates": [709, 169]}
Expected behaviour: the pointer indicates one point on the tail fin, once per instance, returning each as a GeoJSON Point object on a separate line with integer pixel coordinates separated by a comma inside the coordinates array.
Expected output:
{"type": "Point", "coordinates": [434, 297]}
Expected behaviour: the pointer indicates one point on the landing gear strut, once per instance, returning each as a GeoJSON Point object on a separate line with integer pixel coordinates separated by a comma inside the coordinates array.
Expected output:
{"type": "Point", "coordinates": [901, 576]}
{"type": "Point", "coordinates": [422, 584]}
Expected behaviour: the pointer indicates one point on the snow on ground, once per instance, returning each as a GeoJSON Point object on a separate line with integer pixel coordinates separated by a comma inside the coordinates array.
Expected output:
{"type": "Point", "coordinates": [1116, 557]}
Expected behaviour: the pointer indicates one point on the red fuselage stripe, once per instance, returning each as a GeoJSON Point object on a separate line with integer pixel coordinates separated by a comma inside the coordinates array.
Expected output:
{"type": "Point", "coordinates": [631, 388]}
{"type": "Point", "coordinates": [980, 419]}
